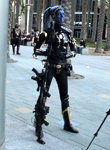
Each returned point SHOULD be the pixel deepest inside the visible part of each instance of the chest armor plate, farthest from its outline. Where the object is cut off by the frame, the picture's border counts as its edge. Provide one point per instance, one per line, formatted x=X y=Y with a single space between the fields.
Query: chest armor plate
x=60 y=40
x=59 y=48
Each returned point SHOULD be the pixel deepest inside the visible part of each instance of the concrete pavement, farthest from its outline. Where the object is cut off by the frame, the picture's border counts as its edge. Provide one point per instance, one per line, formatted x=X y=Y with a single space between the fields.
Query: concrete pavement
x=89 y=102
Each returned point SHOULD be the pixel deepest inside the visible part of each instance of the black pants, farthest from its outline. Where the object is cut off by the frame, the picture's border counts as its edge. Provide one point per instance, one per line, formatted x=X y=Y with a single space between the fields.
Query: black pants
x=62 y=82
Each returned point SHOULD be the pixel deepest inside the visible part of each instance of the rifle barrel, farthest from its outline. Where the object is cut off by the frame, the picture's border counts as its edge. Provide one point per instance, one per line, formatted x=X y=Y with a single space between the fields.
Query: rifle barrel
x=35 y=71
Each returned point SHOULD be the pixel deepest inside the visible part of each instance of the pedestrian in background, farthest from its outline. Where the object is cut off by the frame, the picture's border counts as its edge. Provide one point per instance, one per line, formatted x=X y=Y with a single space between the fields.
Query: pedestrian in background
x=82 y=45
x=22 y=38
x=35 y=39
x=33 y=32
x=16 y=38
x=28 y=38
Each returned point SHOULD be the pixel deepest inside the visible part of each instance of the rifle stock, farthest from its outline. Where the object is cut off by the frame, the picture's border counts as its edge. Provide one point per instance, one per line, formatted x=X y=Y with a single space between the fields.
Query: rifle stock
x=40 y=109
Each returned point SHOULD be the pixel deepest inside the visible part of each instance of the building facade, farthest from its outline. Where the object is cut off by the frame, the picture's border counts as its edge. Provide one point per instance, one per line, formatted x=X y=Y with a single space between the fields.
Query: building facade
x=78 y=17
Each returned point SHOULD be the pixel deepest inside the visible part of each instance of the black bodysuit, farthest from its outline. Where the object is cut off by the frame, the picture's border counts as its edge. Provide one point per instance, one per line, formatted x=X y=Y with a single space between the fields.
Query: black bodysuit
x=57 y=61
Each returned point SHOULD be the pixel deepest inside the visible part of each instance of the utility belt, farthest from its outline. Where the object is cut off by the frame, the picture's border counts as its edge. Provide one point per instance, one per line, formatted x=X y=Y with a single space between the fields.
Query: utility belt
x=57 y=66
x=60 y=66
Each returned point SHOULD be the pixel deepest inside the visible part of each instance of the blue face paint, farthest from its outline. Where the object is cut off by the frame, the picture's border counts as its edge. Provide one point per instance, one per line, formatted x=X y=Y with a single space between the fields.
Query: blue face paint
x=56 y=13
x=59 y=19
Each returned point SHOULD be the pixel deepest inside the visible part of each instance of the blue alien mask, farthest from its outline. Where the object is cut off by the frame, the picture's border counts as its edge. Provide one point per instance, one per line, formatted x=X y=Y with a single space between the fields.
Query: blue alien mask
x=59 y=19
x=56 y=13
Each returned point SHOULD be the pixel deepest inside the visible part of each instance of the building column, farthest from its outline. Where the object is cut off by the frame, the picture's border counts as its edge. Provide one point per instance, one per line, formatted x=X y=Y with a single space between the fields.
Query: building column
x=38 y=17
x=28 y=20
x=4 y=7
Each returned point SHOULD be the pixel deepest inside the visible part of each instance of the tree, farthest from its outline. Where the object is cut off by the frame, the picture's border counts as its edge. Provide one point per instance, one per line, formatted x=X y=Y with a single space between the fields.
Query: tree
x=26 y=17
x=100 y=26
x=67 y=6
x=13 y=20
x=53 y=3
x=73 y=9
x=94 y=28
x=108 y=32
x=84 y=9
x=9 y=30
x=17 y=10
x=88 y=20
x=31 y=15
x=39 y=12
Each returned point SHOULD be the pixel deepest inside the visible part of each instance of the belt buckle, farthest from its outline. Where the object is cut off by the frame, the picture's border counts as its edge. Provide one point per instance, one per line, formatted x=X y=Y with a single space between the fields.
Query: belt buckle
x=58 y=66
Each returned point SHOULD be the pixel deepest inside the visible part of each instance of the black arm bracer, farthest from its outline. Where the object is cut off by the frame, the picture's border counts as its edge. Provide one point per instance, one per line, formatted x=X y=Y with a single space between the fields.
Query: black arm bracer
x=42 y=38
x=40 y=53
x=72 y=43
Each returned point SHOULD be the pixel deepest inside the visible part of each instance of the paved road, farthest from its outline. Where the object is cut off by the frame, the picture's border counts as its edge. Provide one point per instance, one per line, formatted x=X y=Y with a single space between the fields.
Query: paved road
x=89 y=101
x=100 y=62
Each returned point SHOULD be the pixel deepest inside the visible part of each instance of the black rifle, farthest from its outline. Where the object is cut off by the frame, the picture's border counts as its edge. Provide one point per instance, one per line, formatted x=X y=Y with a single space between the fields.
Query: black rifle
x=40 y=109
x=107 y=113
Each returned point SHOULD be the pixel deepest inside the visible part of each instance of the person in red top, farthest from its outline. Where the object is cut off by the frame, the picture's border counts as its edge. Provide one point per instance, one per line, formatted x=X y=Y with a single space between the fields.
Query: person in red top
x=15 y=38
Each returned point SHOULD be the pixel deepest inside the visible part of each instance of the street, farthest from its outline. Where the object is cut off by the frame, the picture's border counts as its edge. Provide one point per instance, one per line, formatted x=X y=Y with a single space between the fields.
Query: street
x=89 y=99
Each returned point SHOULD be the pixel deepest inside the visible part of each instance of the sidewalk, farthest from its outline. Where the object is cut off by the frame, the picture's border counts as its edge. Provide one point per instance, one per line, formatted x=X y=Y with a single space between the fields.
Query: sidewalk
x=89 y=102
x=21 y=136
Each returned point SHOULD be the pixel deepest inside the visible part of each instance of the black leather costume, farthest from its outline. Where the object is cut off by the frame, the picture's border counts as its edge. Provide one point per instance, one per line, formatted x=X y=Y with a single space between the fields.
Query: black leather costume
x=58 y=66
x=58 y=57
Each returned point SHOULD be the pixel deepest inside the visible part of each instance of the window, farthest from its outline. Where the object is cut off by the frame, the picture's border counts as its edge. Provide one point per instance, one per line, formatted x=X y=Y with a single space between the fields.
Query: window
x=78 y=5
x=35 y=6
x=93 y=6
x=34 y=18
x=78 y=18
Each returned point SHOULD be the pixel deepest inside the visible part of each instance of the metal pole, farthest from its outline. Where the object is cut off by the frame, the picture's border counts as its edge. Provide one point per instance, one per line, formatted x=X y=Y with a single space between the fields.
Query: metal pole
x=4 y=7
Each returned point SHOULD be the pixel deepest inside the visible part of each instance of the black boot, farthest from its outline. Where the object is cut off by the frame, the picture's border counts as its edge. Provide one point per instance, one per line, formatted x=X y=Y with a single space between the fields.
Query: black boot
x=18 y=47
x=67 y=121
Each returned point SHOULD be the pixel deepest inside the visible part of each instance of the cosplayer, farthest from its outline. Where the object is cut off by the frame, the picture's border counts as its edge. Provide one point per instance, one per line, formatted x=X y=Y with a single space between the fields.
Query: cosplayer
x=58 y=66
x=15 y=38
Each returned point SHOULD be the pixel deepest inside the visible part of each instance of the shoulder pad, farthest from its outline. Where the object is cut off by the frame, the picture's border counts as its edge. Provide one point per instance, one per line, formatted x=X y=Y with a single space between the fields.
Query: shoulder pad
x=66 y=30
x=45 y=33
